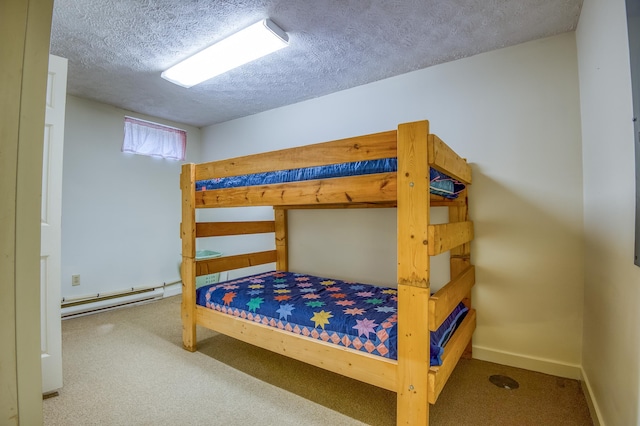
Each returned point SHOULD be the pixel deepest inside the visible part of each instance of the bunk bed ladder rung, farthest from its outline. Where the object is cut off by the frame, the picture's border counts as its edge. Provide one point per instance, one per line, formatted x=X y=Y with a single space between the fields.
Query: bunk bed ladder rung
x=220 y=229
x=448 y=297
x=446 y=236
x=228 y=263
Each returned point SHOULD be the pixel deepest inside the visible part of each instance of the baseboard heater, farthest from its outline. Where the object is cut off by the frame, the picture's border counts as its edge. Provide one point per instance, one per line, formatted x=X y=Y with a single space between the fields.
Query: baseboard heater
x=101 y=302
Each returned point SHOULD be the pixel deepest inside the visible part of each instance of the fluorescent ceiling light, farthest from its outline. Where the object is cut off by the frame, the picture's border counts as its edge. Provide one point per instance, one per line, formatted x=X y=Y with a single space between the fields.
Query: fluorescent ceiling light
x=253 y=42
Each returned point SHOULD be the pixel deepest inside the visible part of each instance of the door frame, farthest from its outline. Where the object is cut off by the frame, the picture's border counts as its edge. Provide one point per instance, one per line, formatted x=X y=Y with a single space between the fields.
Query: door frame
x=25 y=31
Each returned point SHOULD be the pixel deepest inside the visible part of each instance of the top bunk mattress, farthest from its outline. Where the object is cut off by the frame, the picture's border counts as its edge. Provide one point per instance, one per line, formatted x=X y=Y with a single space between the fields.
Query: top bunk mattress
x=350 y=314
x=441 y=184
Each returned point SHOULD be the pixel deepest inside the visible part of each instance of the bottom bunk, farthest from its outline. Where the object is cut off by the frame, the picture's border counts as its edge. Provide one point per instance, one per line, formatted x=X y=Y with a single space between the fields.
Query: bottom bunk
x=346 y=327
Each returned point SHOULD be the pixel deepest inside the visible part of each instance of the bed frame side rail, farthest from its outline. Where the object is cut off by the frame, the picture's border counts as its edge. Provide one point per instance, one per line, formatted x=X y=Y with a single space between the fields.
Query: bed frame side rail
x=372 y=369
x=373 y=188
x=359 y=148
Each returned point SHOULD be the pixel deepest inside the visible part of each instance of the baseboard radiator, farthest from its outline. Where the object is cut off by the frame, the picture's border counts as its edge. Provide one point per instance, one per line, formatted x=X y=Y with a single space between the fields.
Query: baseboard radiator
x=77 y=306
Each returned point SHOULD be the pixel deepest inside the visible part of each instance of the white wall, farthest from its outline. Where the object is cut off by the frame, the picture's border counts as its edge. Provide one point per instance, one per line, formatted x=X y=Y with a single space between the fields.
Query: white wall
x=611 y=343
x=120 y=212
x=514 y=113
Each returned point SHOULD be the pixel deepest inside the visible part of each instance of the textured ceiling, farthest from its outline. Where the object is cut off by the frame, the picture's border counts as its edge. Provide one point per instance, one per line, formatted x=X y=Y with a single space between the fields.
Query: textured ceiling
x=118 y=48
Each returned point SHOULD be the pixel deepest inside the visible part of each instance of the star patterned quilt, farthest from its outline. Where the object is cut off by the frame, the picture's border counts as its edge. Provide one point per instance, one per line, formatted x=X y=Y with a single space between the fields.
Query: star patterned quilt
x=349 y=314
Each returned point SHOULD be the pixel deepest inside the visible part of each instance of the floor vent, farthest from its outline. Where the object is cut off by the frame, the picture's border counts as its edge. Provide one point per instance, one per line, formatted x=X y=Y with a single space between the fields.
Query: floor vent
x=504 y=382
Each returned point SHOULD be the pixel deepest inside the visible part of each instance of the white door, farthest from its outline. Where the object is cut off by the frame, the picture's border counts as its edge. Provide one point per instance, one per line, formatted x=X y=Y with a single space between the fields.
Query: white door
x=51 y=225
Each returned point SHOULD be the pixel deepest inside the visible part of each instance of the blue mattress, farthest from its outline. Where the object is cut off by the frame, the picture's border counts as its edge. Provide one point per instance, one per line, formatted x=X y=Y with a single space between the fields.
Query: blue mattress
x=441 y=184
x=350 y=314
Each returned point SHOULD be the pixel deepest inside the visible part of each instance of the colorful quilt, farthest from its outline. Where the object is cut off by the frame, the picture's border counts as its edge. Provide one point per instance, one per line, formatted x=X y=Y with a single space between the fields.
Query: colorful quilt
x=353 y=315
x=441 y=184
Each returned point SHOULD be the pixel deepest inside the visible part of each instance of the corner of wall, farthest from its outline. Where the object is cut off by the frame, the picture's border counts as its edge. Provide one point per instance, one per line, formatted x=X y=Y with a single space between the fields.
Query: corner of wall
x=547 y=366
x=594 y=410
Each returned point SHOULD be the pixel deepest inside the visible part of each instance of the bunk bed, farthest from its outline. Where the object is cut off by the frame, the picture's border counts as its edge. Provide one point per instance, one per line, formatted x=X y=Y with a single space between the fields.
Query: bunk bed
x=409 y=185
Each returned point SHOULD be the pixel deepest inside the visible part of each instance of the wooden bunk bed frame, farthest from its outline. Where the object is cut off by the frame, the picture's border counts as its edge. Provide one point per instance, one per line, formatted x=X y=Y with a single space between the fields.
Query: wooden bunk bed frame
x=416 y=383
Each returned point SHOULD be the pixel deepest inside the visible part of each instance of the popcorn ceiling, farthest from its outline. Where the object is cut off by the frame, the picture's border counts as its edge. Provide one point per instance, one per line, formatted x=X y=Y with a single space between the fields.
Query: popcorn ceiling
x=118 y=48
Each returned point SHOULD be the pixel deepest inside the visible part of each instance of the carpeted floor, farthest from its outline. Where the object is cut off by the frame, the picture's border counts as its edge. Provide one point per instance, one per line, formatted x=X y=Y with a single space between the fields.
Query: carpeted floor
x=127 y=367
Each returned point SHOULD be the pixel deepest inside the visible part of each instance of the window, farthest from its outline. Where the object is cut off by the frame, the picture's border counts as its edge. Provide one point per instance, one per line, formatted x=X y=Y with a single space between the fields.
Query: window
x=152 y=139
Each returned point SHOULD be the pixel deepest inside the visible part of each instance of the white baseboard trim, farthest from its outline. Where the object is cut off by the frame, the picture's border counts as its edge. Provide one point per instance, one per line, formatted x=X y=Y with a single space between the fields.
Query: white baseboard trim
x=594 y=410
x=92 y=303
x=541 y=365
x=173 y=289
x=89 y=306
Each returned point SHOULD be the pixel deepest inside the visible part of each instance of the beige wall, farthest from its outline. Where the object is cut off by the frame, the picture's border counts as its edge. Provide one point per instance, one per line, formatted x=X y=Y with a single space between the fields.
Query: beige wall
x=24 y=47
x=611 y=343
x=514 y=113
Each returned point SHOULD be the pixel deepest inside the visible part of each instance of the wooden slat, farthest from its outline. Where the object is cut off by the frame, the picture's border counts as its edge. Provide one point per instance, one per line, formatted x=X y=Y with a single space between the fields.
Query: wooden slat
x=459 y=263
x=367 y=147
x=219 y=229
x=271 y=193
x=228 y=263
x=378 y=187
x=413 y=274
x=358 y=365
x=460 y=213
x=436 y=201
x=446 y=236
x=439 y=201
x=444 y=159
x=438 y=376
x=188 y=234
x=282 y=243
x=372 y=205
x=447 y=298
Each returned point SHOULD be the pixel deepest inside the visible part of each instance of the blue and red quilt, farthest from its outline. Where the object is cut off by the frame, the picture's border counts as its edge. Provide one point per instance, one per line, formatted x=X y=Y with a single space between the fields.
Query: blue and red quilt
x=350 y=314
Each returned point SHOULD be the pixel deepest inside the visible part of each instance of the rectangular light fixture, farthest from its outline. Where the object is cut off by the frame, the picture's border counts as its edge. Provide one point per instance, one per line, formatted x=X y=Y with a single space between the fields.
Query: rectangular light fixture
x=253 y=42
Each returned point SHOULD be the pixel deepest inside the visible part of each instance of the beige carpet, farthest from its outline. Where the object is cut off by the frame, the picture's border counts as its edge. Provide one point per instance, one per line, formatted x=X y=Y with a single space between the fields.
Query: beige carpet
x=127 y=367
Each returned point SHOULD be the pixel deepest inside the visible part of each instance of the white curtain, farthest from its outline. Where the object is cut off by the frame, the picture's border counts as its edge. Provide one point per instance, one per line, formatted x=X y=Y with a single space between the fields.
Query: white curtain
x=146 y=138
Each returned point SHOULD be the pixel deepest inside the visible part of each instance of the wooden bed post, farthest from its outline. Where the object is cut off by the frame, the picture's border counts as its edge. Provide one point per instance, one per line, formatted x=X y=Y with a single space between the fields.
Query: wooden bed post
x=282 y=243
x=188 y=267
x=461 y=256
x=413 y=274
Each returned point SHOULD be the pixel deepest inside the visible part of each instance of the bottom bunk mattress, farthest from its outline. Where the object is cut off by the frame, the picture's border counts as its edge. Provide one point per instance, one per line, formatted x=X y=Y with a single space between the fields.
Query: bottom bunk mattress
x=353 y=315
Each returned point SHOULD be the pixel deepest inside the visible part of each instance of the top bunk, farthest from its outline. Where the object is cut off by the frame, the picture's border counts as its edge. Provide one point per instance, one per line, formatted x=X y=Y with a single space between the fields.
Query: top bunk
x=360 y=171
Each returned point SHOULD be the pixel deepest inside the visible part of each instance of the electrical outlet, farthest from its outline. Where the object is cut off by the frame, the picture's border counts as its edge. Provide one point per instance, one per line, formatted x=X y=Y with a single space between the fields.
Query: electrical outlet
x=75 y=279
